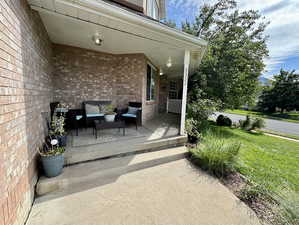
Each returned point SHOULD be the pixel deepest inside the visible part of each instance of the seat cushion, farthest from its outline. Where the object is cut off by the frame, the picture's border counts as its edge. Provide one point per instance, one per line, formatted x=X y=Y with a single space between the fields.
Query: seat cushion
x=79 y=117
x=94 y=115
x=129 y=115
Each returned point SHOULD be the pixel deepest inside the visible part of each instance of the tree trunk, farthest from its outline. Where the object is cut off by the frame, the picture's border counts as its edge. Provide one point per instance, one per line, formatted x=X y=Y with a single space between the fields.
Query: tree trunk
x=281 y=110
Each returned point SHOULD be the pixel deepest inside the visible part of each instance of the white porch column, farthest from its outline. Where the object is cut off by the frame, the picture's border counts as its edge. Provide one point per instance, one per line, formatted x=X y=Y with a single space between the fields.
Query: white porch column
x=185 y=87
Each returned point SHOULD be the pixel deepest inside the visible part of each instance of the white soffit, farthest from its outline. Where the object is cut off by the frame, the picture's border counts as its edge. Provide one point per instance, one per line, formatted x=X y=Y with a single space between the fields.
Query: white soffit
x=71 y=23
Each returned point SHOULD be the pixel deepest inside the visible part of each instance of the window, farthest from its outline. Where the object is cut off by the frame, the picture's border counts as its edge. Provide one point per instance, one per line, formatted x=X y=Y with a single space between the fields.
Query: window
x=152 y=9
x=173 y=94
x=151 y=83
x=172 y=85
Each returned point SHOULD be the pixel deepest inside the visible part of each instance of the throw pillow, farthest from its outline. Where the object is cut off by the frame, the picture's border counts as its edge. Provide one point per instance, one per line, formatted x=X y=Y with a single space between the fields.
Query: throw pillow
x=103 y=109
x=132 y=110
x=92 y=109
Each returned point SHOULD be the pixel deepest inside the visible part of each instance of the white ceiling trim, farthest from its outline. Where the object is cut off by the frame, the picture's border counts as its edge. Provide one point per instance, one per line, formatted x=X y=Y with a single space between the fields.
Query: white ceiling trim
x=168 y=41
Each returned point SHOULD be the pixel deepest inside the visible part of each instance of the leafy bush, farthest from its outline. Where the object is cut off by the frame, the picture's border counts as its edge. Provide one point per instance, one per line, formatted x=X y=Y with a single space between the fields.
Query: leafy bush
x=227 y=122
x=245 y=124
x=216 y=154
x=224 y=121
x=198 y=113
x=258 y=123
x=220 y=119
x=192 y=130
x=252 y=124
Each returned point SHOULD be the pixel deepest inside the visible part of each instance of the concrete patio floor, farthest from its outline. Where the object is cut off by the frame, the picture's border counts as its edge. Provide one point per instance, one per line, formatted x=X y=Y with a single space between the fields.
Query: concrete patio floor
x=162 y=129
x=173 y=193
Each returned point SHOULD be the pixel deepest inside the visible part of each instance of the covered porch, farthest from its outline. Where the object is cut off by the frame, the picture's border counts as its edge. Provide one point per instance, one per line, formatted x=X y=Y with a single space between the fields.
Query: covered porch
x=105 y=53
x=161 y=131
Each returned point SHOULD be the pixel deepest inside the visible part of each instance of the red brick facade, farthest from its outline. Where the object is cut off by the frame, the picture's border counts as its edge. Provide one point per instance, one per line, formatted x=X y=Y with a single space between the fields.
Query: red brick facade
x=32 y=74
x=25 y=92
x=81 y=75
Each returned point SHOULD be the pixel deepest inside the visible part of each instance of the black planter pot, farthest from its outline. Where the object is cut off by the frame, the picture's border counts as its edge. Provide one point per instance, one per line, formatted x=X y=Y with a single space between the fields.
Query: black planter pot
x=53 y=165
x=62 y=140
x=192 y=139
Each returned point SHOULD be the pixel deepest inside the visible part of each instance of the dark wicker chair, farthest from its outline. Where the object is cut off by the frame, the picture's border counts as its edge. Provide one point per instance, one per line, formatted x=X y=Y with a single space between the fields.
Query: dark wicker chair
x=92 y=117
x=53 y=106
x=74 y=119
x=136 y=118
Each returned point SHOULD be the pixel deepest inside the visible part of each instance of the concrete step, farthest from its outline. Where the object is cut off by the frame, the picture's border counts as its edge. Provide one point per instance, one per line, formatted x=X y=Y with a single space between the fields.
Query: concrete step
x=92 y=174
x=76 y=155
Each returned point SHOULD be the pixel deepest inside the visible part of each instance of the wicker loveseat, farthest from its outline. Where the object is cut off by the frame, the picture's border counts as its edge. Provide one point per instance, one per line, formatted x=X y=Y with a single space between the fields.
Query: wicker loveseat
x=90 y=117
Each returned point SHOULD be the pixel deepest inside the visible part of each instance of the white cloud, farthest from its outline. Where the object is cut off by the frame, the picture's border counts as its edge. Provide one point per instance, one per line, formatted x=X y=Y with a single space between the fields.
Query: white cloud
x=283 y=30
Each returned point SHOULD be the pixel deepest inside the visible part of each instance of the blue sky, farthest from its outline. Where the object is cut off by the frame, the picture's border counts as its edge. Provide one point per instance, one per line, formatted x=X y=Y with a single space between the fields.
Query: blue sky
x=283 y=30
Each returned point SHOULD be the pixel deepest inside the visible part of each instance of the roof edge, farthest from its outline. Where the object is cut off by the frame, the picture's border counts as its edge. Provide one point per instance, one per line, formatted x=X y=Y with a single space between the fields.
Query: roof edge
x=137 y=19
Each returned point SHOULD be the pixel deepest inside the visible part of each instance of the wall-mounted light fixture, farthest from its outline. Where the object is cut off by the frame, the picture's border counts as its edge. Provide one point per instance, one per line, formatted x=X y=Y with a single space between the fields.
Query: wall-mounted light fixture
x=98 y=40
x=169 y=63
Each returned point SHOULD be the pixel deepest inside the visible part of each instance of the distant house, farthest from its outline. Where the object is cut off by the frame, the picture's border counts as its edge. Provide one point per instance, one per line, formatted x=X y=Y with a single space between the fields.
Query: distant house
x=73 y=51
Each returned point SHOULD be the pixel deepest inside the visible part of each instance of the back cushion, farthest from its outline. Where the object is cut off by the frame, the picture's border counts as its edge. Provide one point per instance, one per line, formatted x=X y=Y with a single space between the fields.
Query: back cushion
x=132 y=110
x=92 y=109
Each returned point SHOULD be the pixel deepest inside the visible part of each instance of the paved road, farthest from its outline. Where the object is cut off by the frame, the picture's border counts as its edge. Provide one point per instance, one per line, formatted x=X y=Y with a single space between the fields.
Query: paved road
x=274 y=125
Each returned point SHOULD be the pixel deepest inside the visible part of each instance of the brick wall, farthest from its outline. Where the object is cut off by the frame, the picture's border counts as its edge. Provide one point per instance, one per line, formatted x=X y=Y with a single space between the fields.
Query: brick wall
x=81 y=75
x=25 y=92
x=150 y=108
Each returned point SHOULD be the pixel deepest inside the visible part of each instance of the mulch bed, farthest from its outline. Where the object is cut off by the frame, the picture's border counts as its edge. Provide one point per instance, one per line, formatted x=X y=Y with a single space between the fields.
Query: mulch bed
x=262 y=207
x=235 y=182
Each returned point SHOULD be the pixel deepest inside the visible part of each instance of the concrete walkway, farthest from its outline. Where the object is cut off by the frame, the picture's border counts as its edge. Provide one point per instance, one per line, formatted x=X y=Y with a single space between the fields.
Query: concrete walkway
x=173 y=193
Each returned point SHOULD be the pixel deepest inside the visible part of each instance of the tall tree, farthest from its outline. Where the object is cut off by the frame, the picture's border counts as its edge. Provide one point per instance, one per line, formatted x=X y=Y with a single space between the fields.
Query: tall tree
x=170 y=23
x=234 y=59
x=284 y=93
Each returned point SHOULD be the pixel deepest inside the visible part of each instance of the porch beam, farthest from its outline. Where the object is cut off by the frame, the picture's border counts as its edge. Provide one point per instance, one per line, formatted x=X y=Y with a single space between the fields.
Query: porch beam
x=185 y=88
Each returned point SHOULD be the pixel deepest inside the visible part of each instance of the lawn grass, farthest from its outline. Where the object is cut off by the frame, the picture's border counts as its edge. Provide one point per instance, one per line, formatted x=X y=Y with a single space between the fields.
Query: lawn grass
x=264 y=157
x=280 y=134
x=288 y=117
x=271 y=163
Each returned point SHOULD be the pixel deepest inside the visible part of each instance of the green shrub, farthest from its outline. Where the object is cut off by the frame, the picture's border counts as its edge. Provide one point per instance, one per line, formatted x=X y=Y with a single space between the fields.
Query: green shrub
x=193 y=130
x=198 y=113
x=258 y=123
x=216 y=155
x=245 y=124
x=252 y=123
x=224 y=121
x=220 y=119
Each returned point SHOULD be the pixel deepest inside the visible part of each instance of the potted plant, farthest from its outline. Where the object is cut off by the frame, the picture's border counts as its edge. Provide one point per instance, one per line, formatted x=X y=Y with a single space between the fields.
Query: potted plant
x=57 y=129
x=52 y=157
x=109 y=113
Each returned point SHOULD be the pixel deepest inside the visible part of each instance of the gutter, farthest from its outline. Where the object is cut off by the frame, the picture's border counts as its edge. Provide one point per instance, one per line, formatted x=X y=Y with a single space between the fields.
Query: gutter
x=124 y=15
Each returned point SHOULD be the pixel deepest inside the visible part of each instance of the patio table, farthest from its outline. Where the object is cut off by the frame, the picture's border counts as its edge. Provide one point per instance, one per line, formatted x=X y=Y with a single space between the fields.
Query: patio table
x=101 y=125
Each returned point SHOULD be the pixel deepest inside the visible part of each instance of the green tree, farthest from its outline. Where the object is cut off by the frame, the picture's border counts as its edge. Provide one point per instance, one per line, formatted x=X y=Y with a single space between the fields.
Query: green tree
x=170 y=23
x=234 y=59
x=283 y=94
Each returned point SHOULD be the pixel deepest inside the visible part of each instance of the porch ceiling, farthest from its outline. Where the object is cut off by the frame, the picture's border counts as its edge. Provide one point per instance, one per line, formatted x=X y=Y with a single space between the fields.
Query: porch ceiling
x=75 y=22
